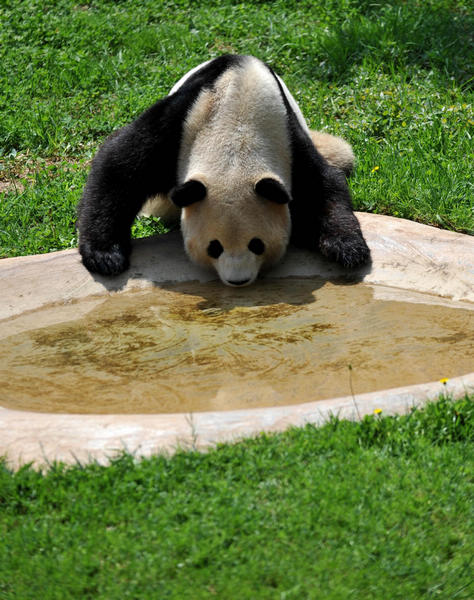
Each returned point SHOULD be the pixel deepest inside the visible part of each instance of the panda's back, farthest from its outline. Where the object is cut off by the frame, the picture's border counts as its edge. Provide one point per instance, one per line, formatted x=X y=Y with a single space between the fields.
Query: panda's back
x=238 y=127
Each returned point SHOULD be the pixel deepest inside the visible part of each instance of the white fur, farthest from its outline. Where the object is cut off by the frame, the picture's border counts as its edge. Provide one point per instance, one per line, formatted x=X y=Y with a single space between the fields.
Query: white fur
x=234 y=268
x=334 y=149
x=235 y=135
x=238 y=129
x=161 y=206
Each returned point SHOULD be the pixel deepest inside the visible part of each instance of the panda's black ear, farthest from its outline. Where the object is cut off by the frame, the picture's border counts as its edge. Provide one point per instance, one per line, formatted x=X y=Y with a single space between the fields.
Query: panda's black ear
x=273 y=190
x=188 y=193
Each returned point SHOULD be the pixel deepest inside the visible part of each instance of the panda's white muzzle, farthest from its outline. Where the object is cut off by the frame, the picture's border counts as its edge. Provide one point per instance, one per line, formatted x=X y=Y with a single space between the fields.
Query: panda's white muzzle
x=238 y=270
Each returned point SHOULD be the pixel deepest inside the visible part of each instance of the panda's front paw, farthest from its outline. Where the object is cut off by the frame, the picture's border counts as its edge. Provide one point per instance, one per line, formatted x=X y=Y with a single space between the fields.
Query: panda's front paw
x=112 y=261
x=349 y=250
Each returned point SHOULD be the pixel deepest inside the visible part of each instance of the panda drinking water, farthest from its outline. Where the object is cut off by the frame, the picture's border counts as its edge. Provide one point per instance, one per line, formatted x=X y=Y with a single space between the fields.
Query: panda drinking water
x=228 y=151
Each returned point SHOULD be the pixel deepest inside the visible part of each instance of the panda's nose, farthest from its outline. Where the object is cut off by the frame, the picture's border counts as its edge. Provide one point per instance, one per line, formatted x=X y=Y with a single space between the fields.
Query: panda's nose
x=237 y=282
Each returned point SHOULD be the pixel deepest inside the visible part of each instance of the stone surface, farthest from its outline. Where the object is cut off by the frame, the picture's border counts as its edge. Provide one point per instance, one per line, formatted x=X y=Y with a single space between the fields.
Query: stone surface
x=406 y=256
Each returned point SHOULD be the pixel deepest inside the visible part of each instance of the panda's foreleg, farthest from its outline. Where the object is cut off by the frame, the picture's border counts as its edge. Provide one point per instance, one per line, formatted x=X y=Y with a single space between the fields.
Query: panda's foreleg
x=340 y=236
x=111 y=199
x=323 y=219
x=136 y=162
x=104 y=232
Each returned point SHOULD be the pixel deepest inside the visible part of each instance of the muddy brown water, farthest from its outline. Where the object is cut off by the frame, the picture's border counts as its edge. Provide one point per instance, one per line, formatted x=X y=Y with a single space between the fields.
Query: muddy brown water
x=198 y=347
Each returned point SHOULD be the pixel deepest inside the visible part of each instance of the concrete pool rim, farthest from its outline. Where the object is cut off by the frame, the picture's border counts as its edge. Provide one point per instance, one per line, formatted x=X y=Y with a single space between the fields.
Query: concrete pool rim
x=406 y=256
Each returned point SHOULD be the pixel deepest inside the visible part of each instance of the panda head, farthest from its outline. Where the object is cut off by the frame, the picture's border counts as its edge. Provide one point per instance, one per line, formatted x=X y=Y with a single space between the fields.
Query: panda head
x=238 y=227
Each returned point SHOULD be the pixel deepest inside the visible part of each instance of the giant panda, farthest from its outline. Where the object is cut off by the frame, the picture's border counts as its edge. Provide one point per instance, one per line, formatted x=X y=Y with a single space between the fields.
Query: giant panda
x=230 y=149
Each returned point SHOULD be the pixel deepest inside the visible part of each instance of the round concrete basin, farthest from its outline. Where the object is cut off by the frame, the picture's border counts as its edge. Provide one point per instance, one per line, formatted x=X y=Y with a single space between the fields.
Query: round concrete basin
x=165 y=356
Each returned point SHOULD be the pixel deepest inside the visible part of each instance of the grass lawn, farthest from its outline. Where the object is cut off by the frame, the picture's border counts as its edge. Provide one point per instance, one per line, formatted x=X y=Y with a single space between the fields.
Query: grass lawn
x=379 y=509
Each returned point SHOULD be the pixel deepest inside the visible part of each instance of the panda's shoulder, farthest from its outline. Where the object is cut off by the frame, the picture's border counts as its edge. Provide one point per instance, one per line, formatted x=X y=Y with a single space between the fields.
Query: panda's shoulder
x=167 y=114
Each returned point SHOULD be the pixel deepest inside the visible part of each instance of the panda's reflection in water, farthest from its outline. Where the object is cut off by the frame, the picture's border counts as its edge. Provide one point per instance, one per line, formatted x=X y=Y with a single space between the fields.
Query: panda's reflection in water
x=203 y=346
x=266 y=292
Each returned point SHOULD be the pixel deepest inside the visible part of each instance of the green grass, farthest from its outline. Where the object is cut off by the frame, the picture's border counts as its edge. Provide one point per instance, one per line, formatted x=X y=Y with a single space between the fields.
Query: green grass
x=377 y=509
x=394 y=78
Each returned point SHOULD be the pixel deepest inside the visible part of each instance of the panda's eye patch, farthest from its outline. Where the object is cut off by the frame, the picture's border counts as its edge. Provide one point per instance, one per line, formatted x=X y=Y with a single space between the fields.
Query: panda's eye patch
x=188 y=193
x=272 y=190
x=256 y=246
x=215 y=249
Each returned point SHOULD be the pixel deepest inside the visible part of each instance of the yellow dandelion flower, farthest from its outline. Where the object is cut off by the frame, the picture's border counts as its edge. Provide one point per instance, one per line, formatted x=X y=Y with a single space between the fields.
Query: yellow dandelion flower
x=377 y=411
x=444 y=381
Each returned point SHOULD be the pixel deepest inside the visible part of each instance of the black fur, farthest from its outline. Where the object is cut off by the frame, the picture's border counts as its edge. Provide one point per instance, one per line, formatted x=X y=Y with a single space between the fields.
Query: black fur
x=215 y=249
x=321 y=208
x=188 y=193
x=134 y=163
x=256 y=246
